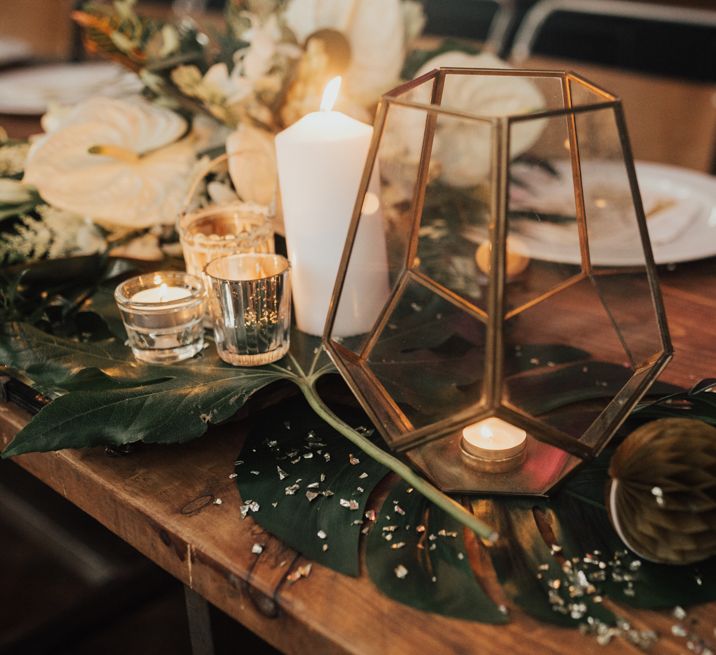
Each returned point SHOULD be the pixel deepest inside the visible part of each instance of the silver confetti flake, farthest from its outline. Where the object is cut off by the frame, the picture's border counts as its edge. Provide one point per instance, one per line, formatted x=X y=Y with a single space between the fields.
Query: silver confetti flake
x=400 y=571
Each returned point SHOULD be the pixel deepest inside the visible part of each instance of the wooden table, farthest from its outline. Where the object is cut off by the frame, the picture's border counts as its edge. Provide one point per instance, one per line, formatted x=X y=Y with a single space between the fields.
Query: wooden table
x=160 y=501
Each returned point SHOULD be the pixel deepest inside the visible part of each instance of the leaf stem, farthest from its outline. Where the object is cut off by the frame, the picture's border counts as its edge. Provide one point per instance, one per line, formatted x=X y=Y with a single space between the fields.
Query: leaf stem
x=443 y=501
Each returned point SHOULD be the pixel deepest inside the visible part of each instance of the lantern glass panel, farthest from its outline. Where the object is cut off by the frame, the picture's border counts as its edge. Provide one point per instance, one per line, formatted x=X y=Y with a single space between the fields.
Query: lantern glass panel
x=428 y=355
x=456 y=206
x=541 y=210
x=617 y=251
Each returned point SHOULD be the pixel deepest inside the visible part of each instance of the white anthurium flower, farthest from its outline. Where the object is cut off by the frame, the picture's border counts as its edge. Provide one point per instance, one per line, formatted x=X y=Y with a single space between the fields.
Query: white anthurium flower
x=14 y=192
x=462 y=147
x=375 y=30
x=114 y=161
x=252 y=164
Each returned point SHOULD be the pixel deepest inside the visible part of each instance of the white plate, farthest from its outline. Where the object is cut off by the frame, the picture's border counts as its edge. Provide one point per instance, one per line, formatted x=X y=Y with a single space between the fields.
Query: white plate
x=13 y=50
x=685 y=232
x=29 y=91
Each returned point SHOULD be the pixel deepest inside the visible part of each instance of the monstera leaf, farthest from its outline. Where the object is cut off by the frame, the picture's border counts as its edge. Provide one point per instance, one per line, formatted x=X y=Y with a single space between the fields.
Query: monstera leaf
x=109 y=398
x=301 y=480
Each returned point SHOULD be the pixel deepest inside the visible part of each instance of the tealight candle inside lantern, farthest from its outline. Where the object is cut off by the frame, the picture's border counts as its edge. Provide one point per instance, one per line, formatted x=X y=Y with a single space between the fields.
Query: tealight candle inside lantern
x=494 y=445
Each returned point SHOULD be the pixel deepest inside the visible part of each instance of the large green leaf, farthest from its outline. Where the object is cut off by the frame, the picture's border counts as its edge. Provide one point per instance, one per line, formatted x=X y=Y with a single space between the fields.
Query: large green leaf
x=109 y=398
x=526 y=564
x=417 y=555
x=302 y=473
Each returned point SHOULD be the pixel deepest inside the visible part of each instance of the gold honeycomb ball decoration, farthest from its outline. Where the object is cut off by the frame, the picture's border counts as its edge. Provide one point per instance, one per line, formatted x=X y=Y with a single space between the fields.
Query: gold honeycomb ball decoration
x=662 y=496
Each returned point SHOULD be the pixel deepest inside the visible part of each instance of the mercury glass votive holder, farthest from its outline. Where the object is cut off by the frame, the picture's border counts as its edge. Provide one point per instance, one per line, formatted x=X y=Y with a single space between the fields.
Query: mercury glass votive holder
x=163 y=315
x=221 y=230
x=250 y=306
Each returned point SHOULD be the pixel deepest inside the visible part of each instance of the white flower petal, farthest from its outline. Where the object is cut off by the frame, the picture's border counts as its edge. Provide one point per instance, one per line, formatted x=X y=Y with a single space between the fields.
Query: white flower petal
x=252 y=164
x=134 y=194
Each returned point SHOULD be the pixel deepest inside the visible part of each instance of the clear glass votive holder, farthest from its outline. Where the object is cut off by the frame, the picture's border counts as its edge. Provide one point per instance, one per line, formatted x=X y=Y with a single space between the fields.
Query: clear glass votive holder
x=163 y=314
x=250 y=306
x=221 y=230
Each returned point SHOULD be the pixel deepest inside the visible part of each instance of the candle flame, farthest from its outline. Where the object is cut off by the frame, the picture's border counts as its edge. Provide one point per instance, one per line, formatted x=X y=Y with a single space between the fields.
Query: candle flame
x=330 y=93
x=163 y=291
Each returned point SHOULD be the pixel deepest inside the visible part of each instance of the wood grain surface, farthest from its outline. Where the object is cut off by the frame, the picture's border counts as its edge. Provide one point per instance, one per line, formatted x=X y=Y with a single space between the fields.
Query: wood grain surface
x=161 y=501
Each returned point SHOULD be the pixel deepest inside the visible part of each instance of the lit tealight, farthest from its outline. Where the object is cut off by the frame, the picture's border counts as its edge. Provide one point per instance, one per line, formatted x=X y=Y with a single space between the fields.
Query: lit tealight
x=494 y=445
x=515 y=261
x=371 y=204
x=161 y=293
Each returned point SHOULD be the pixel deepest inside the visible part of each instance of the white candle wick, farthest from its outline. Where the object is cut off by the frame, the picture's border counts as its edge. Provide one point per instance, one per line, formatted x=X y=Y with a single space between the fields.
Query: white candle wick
x=330 y=93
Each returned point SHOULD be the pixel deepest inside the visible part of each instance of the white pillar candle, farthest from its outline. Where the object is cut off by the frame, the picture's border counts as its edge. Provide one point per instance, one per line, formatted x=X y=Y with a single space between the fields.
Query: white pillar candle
x=493 y=438
x=161 y=293
x=320 y=163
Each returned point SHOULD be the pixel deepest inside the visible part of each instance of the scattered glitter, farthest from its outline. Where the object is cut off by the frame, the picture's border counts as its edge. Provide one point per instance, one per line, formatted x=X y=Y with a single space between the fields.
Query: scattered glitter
x=312 y=495
x=282 y=475
x=420 y=529
x=327 y=457
x=399 y=510
x=324 y=548
x=274 y=505
x=254 y=472
x=287 y=425
x=460 y=556
x=257 y=549
x=313 y=485
x=292 y=489
x=353 y=460
x=350 y=504
x=321 y=534
x=360 y=490
x=299 y=572
x=218 y=501
x=447 y=533
x=400 y=571
x=307 y=455
x=363 y=476
x=658 y=494
x=233 y=475
x=323 y=477
x=409 y=490
x=238 y=462
x=370 y=514
x=399 y=544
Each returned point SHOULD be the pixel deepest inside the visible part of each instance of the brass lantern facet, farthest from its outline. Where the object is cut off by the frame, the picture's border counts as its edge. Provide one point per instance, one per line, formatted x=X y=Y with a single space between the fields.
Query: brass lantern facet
x=522 y=283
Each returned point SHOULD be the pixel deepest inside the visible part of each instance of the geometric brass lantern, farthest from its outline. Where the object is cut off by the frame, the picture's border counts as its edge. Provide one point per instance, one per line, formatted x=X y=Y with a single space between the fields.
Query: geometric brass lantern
x=517 y=274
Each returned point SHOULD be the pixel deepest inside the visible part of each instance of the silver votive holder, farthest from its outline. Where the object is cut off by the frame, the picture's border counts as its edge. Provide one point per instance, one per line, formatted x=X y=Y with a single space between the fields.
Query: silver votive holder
x=163 y=315
x=250 y=306
x=221 y=230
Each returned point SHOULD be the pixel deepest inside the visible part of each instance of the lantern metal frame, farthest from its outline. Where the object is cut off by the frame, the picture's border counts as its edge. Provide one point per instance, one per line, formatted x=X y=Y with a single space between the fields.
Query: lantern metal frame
x=391 y=421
